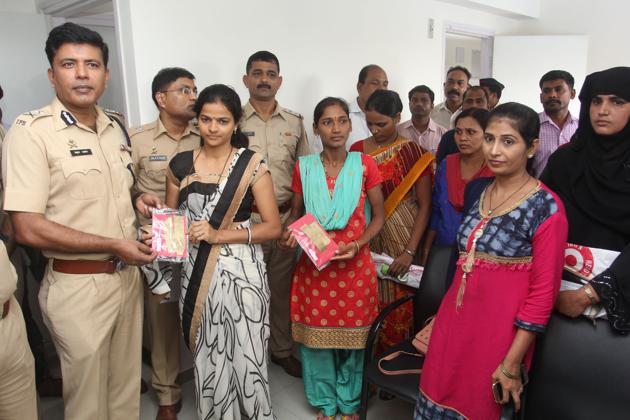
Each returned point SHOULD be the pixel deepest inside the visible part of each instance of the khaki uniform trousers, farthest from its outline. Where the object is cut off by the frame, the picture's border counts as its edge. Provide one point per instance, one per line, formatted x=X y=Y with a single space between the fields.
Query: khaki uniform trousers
x=95 y=321
x=18 y=398
x=280 y=266
x=164 y=331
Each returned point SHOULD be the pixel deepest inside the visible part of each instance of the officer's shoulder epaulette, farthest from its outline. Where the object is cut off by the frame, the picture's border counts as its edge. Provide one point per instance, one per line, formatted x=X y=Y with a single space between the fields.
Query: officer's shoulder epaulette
x=25 y=119
x=142 y=128
x=295 y=114
x=115 y=114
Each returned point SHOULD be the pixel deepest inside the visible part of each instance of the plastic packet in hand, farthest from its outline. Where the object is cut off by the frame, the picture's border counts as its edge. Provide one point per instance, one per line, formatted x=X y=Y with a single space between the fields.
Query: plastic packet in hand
x=411 y=278
x=170 y=235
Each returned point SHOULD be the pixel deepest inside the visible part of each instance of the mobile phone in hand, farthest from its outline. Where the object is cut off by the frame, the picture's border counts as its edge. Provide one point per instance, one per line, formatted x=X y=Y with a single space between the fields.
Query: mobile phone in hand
x=497 y=391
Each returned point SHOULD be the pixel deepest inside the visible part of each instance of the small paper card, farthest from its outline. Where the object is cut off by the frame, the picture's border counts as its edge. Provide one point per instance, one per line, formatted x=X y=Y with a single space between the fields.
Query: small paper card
x=585 y=263
x=170 y=235
x=314 y=240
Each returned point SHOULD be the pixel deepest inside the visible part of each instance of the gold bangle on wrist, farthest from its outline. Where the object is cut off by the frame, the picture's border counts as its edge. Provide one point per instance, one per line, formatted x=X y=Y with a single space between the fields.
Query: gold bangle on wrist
x=507 y=373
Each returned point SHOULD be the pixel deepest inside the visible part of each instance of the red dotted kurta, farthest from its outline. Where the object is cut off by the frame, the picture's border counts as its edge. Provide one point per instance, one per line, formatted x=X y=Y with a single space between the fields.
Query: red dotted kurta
x=335 y=307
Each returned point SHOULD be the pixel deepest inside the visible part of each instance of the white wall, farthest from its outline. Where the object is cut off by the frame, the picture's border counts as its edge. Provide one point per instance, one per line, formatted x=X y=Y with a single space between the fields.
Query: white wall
x=113 y=97
x=18 y=6
x=321 y=45
x=23 y=70
x=605 y=22
x=520 y=61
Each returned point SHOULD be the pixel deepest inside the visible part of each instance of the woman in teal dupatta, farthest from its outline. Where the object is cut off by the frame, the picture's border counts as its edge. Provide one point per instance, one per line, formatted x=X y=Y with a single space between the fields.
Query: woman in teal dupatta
x=332 y=309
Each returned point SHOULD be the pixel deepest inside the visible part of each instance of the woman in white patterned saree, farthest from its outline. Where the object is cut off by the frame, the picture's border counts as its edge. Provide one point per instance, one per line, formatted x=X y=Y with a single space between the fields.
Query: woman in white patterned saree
x=225 y=296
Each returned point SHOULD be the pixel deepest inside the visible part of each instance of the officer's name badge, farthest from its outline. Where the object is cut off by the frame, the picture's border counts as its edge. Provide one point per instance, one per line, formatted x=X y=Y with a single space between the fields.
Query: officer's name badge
x=249 y=133
x=81 y=152
x=157 y=158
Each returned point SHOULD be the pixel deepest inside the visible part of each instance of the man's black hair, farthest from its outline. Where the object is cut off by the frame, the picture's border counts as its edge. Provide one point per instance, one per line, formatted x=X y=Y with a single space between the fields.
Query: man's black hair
x=71 y=33
x=460 y=68
x=422 y=89
x=165 y=77
x=557 y=75
x=265 y=56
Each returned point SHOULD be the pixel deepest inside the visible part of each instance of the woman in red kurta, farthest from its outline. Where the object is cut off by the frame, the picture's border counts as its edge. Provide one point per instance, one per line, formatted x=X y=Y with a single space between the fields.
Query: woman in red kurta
x=332 y=309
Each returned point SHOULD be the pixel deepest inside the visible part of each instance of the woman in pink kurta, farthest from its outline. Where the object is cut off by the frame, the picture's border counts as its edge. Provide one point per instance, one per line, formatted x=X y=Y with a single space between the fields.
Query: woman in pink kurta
x=506 y=281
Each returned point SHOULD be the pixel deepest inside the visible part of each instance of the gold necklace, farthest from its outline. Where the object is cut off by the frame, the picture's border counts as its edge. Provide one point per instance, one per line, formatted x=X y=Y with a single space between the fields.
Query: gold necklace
x=492 y=209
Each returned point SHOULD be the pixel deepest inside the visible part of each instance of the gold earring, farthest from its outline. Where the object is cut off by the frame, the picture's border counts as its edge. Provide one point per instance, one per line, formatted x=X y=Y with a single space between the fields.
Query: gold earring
x=530 y=156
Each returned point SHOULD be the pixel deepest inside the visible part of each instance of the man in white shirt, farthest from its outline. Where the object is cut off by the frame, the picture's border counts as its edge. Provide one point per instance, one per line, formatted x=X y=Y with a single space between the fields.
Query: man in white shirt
x=456 y=83
x=371 y=78
x=421 y=128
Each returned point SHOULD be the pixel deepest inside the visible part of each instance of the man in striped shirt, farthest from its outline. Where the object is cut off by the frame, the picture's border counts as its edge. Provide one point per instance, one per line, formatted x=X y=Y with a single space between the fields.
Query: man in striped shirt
x=557 y=125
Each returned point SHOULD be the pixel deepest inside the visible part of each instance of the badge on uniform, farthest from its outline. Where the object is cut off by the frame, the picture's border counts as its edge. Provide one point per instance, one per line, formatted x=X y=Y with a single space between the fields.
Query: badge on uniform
x=68 y=118
x=81 y=152
x=249 y=133
x=72 y=144
x=154 y=158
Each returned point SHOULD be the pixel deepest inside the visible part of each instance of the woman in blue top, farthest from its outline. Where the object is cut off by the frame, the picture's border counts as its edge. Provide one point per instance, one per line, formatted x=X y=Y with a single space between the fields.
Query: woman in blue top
x=454 y=173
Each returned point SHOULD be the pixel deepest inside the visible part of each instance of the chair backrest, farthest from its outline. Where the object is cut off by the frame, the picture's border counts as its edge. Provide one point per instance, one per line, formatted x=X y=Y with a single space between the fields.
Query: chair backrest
x=580 y=371
x=433 y=285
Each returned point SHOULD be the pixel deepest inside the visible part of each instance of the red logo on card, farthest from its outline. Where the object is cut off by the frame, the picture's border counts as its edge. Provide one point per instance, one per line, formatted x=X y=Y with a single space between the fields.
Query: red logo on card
x=579 y=259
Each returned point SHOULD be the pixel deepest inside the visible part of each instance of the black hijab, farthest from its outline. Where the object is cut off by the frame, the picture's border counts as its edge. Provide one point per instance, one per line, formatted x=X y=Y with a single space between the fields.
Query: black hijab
x=597 y=179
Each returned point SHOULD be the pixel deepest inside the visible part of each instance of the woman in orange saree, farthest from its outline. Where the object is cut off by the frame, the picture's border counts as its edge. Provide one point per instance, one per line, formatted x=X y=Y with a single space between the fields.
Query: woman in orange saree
x=406 y=170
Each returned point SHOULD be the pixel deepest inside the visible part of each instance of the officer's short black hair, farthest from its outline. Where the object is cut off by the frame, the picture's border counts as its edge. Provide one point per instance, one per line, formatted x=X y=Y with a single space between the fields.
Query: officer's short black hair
x=365 y=70
x=557 y=75
x=265 y=56
x=71 y=33
x=422 y=89
x=460 y=68
x=165 y=77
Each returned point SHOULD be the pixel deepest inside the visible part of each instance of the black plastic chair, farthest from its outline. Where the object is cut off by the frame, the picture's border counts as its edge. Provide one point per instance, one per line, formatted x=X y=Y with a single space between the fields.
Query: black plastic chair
x=426 y=303
x=580 y=371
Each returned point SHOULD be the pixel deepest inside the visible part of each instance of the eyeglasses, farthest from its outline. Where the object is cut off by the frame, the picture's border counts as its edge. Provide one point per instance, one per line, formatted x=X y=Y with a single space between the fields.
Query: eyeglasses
x=184 y=91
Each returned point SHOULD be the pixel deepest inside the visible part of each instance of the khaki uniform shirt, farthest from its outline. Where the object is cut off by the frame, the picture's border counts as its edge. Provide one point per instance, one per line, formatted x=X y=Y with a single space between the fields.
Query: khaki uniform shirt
x=281 y=140
x=56 y=166
x=3 y=133
x=8 y=276
x=152 y=149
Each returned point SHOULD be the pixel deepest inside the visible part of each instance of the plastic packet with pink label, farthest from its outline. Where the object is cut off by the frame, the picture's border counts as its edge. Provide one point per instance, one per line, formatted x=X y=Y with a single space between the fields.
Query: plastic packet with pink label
x=170 y=235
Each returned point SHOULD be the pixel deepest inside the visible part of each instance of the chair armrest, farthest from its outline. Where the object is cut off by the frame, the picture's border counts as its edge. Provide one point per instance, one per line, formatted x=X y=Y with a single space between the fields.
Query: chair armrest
x=376 y=326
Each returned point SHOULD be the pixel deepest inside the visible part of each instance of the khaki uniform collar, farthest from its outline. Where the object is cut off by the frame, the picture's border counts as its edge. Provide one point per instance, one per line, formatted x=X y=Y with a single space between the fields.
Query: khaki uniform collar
x=249 y=110
x=64 y=118
x=160 y=129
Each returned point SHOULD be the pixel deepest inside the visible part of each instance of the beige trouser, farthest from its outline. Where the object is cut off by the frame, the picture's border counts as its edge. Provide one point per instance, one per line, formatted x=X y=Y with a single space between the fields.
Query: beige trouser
x=280 y=265
x=164 y=331
x=95 y=321
x=18 y=399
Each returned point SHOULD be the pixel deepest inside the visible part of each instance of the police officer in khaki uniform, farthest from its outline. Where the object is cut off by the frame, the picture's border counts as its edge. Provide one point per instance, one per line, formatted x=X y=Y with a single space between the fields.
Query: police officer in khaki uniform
x=17 y=368
x=68 y=177
x=153 y=145
x=278 y=134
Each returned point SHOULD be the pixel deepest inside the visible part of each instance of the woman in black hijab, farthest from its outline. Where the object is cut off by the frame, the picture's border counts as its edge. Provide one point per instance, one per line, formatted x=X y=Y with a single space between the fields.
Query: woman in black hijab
x=592 y=176
x=581 y=370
